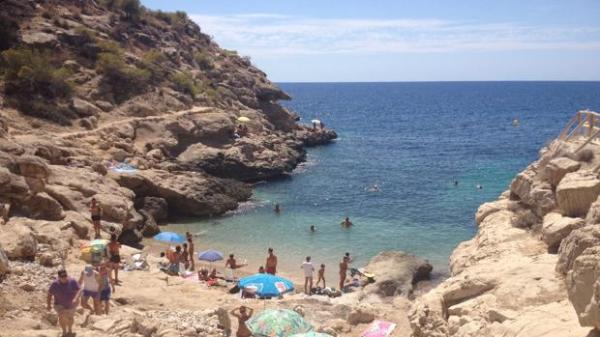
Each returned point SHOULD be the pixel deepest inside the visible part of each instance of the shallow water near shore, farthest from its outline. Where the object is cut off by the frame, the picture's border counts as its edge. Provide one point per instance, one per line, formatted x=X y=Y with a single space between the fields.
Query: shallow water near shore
x=412 y=141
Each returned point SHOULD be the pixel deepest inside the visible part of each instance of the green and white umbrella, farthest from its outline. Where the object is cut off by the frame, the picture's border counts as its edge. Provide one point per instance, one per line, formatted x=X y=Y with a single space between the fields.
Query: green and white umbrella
x=277 y=323
x=311 y=334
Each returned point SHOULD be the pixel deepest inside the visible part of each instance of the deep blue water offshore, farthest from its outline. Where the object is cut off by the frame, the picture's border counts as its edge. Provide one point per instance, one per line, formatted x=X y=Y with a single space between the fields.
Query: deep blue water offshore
x=412 y=140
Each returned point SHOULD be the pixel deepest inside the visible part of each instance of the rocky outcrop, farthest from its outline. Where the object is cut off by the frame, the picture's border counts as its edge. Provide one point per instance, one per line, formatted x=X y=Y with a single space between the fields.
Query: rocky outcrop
x=556 y=227
x=4 y=263
x=574 y=244
x=397 y=272
x=504 y=282
x=18 y=241
x=583 y=286
x=576 y=192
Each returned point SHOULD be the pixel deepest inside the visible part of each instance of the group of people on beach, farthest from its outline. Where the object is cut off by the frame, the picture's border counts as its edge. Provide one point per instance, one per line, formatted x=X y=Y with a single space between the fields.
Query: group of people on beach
x=96 y=283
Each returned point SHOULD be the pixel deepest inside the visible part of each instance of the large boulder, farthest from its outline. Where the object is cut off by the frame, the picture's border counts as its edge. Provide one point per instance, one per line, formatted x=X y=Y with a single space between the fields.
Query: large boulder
x=557 y=168
x=593 y=215
x=556 y=227
x=33 y=167
x=576 y=192
x=187 y=193
x=150 y=227
x=522 y=184
x=583 y=287
x=114 y=207
x=12 y=186
x=18 y=240
x=158 y=208
x=43 y=206
x=396 y=272
x=574 y=244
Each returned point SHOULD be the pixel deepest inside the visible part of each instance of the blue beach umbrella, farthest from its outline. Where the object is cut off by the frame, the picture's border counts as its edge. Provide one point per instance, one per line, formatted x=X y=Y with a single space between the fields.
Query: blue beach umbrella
x=170 y=237
x=267 y=285
x=210 y=255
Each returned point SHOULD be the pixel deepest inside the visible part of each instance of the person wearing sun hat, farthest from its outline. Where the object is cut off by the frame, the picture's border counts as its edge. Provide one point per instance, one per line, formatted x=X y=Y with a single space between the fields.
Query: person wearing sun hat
x=90 y=279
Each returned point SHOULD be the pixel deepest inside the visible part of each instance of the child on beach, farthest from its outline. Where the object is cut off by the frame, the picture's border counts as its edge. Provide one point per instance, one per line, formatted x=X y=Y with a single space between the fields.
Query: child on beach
x=321 y=276
x=107 y=287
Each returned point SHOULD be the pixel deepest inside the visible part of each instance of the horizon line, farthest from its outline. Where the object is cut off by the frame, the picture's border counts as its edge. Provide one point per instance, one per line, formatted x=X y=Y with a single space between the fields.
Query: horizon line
x=430 y=81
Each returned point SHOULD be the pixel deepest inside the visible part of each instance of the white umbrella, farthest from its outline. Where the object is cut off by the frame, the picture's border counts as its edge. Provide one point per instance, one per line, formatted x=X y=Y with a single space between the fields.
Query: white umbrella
x=316 y=121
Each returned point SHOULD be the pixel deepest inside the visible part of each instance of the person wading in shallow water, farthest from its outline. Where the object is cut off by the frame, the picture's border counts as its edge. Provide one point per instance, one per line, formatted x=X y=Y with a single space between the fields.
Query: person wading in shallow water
x=271 y=265
x=96 y=213
x=347 y=223
x=242 y=314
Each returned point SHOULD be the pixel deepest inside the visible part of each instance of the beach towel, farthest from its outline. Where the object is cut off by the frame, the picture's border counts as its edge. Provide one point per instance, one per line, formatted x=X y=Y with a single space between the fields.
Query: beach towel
x=379 y=329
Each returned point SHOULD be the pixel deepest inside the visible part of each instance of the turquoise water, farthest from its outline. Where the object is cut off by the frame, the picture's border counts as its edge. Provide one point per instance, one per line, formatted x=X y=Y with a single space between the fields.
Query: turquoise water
x=412 y=140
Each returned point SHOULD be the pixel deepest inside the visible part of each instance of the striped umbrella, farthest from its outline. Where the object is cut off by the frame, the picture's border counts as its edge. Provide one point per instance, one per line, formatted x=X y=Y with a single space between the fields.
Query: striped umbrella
x=277 y=323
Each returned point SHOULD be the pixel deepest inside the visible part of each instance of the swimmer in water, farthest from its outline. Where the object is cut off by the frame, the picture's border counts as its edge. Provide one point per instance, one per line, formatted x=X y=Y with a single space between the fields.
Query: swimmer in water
x=347 y=223
x=277 y=209
x=456 y=183
x=479 y=187
x=312 y=228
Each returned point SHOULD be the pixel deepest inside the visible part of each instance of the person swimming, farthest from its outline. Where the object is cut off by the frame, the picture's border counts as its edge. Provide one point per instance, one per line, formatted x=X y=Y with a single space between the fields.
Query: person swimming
x=456 y=183
x=479 y=187
x=313 y=228
x=347 y=223
x=277 y=209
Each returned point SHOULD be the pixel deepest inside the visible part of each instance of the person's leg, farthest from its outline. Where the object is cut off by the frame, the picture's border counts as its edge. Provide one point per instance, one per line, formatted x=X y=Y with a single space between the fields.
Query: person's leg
x=84 y=302
x=97 y=308
x=116 y=268
x=324 y=284
x=310 y=285
x=70 y=320
x=63 y=321
x=305 y=284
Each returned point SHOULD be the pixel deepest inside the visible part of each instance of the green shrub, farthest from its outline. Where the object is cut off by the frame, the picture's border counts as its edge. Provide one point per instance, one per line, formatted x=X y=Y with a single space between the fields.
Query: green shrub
x=119 y=79
x=132 y=8
x=185 y=83
x=155 y=62
x=36 y=84
x=203 y=60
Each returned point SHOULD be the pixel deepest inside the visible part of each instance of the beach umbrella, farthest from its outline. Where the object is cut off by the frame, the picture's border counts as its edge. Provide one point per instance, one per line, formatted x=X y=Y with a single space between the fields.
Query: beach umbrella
x=267 y=285
x=170 y=237
x=311 y=334
x=277 y=323
x=243 y=119
x=316 y=121
x=210 y=255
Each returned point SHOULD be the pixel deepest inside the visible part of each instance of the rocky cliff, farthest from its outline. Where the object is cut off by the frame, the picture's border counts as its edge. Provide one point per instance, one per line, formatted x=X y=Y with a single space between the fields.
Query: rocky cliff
x=531 y=270
x=87 y=83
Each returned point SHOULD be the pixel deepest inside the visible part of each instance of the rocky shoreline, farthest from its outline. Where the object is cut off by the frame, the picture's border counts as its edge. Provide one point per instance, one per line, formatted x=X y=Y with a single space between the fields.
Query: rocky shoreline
x=530 y=269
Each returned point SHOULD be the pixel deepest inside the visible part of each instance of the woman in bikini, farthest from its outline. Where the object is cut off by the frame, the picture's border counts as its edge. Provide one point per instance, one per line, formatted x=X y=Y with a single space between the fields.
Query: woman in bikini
x=96 y=213
x=242 y=315
x=114 y=256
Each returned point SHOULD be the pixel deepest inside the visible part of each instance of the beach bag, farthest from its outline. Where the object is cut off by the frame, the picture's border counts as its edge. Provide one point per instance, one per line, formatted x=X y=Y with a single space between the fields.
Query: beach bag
x=235 y=289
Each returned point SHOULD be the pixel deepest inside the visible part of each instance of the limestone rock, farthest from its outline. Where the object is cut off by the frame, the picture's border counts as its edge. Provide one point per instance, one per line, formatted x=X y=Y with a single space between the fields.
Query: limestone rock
x=557 y=168
x=574 y=244
x=4 y=263
x=115 y=208
x=583 y=287
x=490 y=207
x=12 y=186
x=18 y=241
x=43 y=206
x=522 y=184
x=360 y=316
x=156 y=207
x=556 y=227
x=396 y=273
x=80 y=224
x=33 y=167
x=576 y=192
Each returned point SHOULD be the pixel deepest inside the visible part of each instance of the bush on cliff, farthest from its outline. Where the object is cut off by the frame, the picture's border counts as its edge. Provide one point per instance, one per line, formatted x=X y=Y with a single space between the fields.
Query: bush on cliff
x=156 y=63
x=185 y=83
x=36 y=84
x=203 y=60
x=132 y=8
x=120 y=80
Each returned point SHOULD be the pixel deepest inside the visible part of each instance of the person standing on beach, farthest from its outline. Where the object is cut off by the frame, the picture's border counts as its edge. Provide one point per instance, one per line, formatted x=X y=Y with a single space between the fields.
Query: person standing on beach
x=190 y=250
x=242 y=314
x=107 y=287
x=90 y=280
x=114 y=255
x=321 y=276
x=65 y=291
x=271 y=265
x=309 y=269
x=185 y=254
x=343 y=272
x=96 y=213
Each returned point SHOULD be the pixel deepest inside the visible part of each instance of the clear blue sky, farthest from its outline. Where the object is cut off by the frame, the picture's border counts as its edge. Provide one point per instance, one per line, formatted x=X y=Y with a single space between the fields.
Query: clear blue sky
x=419 y=40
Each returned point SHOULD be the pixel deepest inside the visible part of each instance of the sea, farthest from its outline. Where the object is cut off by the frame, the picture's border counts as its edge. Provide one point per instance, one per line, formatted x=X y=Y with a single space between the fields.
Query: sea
x=412 y=163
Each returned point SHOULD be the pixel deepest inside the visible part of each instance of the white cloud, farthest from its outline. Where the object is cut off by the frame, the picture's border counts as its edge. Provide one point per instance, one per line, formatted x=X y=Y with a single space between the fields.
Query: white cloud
x=273 y=35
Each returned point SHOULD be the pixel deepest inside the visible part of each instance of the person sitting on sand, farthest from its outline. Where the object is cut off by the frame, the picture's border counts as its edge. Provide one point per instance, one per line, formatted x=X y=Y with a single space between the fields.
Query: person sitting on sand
x=203 y=274
x=96 y=213
x=115 y=258
x=347 y=223
x=242 y=314
x=271 y=265
x=213 y=274
x=321 y=276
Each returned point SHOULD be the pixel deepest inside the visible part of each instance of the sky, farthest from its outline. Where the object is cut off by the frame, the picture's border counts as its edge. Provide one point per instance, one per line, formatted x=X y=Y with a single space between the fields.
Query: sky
x=419 y=40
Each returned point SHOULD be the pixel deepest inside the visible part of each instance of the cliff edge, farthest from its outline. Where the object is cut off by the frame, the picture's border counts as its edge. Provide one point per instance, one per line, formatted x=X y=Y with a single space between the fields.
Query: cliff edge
x=531 y=268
